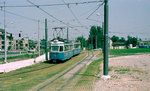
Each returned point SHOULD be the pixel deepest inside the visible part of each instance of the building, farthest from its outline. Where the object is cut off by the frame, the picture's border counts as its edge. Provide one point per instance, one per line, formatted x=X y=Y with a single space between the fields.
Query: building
x=110 y=44
x=119 y=45
x=9 y=40
x=22 y=44
x=16 y=44
x=144 y=44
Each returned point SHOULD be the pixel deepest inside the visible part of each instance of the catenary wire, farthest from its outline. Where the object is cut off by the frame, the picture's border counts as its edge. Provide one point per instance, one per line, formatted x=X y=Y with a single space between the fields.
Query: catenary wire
x=74 y=3
x=50 y=14
x=72 y=13
x=95 y=10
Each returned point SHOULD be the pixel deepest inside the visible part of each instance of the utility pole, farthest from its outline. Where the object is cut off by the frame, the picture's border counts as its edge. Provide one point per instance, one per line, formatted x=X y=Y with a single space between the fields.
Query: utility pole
x=39 y=37
x=96 y=40
x=67 y=35
x=5 y=34
x=82 y=42
x=105 y=69
x=46 y=41
x=103 y=37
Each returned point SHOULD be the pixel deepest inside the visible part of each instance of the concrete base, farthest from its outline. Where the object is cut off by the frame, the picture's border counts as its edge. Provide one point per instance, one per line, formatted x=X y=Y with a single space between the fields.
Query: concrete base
x=105 y=77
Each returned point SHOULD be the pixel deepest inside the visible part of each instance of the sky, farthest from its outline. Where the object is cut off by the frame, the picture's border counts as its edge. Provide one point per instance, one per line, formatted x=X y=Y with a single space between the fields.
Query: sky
x=126 y=17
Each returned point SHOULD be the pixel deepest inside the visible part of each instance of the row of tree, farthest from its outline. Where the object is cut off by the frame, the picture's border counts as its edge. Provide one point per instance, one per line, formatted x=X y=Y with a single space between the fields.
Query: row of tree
x=95 y=39
x=130 y=40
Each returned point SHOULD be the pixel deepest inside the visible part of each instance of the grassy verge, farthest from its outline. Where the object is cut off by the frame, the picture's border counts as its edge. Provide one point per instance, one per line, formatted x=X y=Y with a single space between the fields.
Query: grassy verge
x=23 y=82
x=124 y=52
x=19 y=57
x=89 y=76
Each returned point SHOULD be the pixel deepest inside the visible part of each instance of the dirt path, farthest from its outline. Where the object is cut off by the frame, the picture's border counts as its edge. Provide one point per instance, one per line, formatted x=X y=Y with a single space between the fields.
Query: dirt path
x=128 y=73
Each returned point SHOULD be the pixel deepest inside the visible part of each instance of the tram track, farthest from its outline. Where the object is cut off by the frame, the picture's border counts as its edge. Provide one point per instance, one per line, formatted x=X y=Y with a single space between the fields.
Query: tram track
x=83 y=62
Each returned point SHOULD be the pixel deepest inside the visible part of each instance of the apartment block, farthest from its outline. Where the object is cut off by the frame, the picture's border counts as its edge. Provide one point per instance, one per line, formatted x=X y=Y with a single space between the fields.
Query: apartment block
x=9 y=40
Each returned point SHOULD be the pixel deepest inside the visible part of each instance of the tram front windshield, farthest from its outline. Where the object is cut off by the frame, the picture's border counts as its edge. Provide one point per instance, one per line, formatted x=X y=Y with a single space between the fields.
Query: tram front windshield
x=55 y=48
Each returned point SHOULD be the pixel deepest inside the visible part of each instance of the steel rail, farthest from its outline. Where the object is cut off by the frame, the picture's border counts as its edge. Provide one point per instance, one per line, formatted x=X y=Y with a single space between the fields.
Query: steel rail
x=50 y=82
x=74 y=74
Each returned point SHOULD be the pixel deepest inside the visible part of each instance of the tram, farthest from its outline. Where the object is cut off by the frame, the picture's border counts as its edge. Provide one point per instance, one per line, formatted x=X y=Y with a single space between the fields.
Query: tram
x=64 y=50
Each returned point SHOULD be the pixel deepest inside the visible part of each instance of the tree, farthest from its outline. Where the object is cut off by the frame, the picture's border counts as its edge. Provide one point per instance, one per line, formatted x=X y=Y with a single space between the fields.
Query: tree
x=32 y=44
x=134 y=41
x=82 y=40
x=122 y=40
x=99 y=37
x=115 y=38
x=95 y=37
x=131 y=40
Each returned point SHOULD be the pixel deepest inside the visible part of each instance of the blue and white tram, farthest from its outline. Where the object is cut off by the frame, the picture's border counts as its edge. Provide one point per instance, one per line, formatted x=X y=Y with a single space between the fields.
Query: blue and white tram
x=76 y=48
x=63 y=51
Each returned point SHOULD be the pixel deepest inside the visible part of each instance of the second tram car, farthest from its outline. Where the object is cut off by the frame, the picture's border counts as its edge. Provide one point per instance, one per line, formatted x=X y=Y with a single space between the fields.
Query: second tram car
x=64 y=50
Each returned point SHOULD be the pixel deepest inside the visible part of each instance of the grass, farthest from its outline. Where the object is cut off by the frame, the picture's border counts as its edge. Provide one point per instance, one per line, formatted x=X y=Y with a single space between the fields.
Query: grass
x=124 y=52
x=89 y=76
x=19 y=57
x=129 y=70
x=139 y=71
x=23 y=82
x=122 y=70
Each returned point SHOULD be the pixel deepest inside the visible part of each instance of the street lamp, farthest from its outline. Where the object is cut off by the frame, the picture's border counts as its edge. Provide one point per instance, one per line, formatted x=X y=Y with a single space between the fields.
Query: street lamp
x=5 y=34
x=6 y=41
x=38 y=37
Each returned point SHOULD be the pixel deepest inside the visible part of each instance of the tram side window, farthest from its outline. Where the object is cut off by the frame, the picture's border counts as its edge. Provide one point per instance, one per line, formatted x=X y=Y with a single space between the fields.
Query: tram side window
x=76 y=46
x=66 y=47
x=61 y=48
x=55 y=48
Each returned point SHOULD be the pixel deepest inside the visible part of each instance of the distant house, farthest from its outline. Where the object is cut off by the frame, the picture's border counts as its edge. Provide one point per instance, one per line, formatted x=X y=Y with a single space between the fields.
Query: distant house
x=16 y=44
x=9 y=40
x=21 y=44
x=110 y=44
x=144 y=44
x=119 y=45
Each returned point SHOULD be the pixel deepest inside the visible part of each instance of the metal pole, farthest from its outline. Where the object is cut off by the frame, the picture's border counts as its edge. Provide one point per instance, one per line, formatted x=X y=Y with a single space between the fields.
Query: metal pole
x=67 y=35
x=103 y=37
x=5 y=34
x=96 y=40
x=82 y=42
x=106 y=37
x=39 y=37
x=46 y=41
